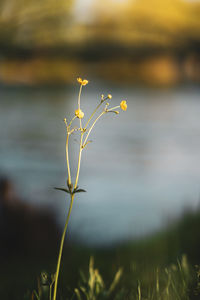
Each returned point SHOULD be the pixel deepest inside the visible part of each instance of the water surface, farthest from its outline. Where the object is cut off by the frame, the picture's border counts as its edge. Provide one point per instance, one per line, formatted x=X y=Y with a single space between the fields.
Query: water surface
x=142 y=168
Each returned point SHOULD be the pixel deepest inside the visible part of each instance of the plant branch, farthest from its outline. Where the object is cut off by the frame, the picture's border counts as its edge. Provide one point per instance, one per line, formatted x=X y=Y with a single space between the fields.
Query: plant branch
x=61 y=247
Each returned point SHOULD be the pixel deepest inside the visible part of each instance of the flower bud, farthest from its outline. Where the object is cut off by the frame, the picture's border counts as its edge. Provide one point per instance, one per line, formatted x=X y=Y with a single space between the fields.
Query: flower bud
x=79 y=113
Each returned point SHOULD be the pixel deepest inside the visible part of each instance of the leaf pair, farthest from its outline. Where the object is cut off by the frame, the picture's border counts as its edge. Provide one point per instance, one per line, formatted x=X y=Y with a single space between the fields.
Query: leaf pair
x=76 y=190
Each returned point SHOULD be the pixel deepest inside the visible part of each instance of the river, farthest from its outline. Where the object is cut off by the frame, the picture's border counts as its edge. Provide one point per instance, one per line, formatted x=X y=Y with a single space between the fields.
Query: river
x=141 y=170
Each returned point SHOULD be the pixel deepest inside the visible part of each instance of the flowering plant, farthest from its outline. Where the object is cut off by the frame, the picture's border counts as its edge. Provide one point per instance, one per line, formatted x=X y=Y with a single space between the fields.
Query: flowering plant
x=84 y=131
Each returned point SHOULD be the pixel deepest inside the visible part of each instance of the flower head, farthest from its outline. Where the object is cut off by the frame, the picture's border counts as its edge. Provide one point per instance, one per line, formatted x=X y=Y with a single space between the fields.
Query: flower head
x=82 y=81
x=123 y=105
x=79 y=113
x=109 y=96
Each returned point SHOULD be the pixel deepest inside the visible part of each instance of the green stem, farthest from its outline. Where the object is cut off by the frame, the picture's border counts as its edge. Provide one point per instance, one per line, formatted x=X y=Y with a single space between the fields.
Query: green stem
x=61 y=248
x=72 y=121
x=79 y=160
x=93 y=114
x=50 y=292
x=79 y=103
x=79 y=97
x=110 y=109
x=72 y=199
x=67 y=158
x=88 y=133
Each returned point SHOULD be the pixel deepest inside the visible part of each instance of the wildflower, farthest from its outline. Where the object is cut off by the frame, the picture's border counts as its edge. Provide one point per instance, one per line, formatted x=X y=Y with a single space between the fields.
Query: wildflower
x=82 y=81
x=65 y=120
x=85 y=81
x=79 y=113
x=109 y=96
x=123 y=105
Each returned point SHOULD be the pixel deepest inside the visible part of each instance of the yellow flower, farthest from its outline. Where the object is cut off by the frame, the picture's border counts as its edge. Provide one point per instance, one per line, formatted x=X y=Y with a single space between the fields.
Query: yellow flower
x=79 y=80
x=79 y=113
x=109 y=96
x=123 y=105
x=82 y=81
x=85 y=81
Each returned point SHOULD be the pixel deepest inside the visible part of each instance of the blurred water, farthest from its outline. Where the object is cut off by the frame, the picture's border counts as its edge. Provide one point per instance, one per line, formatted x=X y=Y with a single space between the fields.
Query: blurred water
x=142 y=167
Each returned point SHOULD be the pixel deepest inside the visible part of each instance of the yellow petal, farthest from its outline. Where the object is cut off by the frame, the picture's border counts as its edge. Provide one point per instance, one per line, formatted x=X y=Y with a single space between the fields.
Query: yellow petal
x=123 y=105
x=79 y=113
x=84 y=82
x=79 y=79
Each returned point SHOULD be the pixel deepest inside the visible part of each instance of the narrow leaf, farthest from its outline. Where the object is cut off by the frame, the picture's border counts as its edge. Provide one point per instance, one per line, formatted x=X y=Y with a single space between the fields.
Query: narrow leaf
x=63 y=189
x=78 y=294
x=76 y=188
x=79 y=191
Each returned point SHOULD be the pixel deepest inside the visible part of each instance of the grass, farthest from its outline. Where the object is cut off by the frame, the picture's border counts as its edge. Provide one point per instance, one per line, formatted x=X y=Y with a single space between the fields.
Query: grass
x=158 y=267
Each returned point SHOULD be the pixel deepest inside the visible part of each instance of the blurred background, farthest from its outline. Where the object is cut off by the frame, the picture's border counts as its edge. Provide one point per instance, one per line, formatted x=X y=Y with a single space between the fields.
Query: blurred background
x=142 y=170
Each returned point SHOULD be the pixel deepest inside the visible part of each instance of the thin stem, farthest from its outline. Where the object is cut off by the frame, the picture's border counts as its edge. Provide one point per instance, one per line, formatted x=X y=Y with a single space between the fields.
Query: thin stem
x=110 y=109
x=79 y=97
x=50 y=292
x=93 y=114
x=79 y=103
x=71 y=121
x=72 y=196
x=67 y=220
x=67 y=158
x=93 y=126
x=61 y=247
x=79 y=160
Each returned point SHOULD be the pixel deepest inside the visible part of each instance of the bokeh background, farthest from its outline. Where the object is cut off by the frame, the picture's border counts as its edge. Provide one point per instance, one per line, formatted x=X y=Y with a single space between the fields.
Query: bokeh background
x=142 y=170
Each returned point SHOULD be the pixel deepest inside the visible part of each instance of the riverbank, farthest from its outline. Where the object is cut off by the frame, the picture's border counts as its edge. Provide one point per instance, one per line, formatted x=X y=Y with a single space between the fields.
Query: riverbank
x=153 y=70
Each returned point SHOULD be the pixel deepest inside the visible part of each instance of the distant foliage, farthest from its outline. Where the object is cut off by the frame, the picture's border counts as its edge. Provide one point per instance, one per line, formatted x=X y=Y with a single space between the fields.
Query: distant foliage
x=34 y=23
